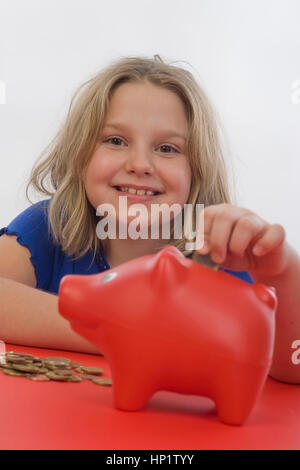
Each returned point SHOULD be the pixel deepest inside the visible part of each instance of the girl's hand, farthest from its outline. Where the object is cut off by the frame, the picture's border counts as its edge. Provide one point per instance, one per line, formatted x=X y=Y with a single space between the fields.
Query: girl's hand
x=240 y=240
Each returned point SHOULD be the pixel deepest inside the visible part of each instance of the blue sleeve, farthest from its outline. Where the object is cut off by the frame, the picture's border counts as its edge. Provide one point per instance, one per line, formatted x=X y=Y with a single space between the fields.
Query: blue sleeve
x=32 y=230
x=244 y=275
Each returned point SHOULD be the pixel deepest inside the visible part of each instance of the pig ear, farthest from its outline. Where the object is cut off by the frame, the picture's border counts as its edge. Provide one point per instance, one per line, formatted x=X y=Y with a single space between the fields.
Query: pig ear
x=267 y=294
x=170 y=264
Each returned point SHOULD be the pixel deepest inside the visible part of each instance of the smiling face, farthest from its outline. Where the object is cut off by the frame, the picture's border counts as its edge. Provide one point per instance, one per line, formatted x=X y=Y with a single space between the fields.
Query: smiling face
x=142 y=146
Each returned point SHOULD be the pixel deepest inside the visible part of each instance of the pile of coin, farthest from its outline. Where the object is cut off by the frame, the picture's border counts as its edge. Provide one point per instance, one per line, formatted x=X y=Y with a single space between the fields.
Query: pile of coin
x=49 y=368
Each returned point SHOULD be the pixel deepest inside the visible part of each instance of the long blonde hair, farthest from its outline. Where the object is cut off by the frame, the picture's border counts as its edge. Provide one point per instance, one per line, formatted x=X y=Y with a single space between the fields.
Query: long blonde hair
x=71 y=216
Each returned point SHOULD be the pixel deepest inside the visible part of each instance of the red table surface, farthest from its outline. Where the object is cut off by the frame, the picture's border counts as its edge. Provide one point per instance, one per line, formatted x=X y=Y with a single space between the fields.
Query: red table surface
x=60 y=415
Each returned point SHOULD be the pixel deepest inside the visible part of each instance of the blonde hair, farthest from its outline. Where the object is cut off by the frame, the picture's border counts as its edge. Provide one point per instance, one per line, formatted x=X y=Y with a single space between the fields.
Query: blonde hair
x=71 y=216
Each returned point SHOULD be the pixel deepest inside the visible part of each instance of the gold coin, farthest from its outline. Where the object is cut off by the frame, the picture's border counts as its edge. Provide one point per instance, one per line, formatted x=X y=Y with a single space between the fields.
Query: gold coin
x=90 y=370
x=25 y=368
x=87 y=376
x=49 y=368
x=75 y=364
x=15 y=373
x=39 y=377
x=16 y=360
x=74 y=378
x=101 y=381
x=55 y=360
x=4 y=365
x=19 y=356
x=56 y=365
x=64 y=372
x=51 y=375
x=43 y=370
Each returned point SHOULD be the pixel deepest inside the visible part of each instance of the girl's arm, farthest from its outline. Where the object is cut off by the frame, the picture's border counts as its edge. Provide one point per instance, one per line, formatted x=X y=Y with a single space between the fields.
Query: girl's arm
x=29 y=316
x=287 y=284
x=239 y=239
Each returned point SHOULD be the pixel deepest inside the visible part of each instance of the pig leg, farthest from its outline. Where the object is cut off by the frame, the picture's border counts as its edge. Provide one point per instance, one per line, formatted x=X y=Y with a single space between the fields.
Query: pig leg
x=133 y=385
x=131 y=398
x=237 y=390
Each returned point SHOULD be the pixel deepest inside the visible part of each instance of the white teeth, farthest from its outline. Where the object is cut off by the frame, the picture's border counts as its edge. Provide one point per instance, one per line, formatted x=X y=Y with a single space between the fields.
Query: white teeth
x=139 y=192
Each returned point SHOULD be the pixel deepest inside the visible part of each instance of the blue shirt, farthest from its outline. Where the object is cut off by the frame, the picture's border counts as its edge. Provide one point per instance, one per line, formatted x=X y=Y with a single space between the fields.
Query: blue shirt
x=49 y=261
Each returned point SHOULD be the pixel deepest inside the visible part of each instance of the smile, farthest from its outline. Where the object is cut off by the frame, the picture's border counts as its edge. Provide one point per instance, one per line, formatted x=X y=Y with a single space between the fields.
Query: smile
x=136 y=192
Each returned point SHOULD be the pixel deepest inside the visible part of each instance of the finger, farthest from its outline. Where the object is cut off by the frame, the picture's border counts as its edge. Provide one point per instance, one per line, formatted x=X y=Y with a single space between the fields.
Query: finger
x=209 y=214
x=248 y=228
x=222 y=227
x=274 y=236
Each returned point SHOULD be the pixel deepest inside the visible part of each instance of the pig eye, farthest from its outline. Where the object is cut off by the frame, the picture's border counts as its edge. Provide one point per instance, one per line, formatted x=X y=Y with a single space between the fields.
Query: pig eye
x=109 y=277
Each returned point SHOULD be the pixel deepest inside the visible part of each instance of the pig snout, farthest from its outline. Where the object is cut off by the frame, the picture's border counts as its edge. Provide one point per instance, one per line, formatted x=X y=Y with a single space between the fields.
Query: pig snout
x=72 y=298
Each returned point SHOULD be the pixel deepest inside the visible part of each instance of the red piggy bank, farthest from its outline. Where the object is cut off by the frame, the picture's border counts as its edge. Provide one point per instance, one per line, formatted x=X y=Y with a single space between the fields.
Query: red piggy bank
x=164 y=322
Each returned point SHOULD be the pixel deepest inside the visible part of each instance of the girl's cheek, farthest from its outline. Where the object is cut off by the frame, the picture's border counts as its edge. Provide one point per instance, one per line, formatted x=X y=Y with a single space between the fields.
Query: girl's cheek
x=100 y=167
x=183 y=178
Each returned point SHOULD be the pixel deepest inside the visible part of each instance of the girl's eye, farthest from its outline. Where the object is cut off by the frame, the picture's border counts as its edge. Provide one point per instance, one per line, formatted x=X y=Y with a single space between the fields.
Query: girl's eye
x=164 y=145
x=112 y=138
x=170 y=147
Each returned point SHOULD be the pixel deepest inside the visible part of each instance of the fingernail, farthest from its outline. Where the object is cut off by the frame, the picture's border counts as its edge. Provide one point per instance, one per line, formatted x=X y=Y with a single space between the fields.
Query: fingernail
x=205 y=247
x=217 y=257
x=258 y=250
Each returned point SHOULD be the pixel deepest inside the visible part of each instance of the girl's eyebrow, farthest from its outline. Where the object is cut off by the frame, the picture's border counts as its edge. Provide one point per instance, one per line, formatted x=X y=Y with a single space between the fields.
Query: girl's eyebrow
x=169 y=132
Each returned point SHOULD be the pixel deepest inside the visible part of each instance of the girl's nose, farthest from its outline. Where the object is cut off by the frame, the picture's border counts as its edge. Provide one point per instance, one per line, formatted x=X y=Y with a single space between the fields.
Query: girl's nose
x=139 y=161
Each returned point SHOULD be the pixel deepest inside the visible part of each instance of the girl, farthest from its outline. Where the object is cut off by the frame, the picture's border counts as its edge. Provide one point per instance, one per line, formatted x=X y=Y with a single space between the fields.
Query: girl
x=139 y=125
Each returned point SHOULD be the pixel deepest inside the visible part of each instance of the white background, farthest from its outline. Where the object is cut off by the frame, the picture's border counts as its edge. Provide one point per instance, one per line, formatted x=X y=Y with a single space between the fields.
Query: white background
x=245 y=54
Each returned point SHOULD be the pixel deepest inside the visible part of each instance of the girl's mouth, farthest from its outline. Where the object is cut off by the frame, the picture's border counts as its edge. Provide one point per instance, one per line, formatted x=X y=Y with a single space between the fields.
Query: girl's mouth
x=137 y=197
